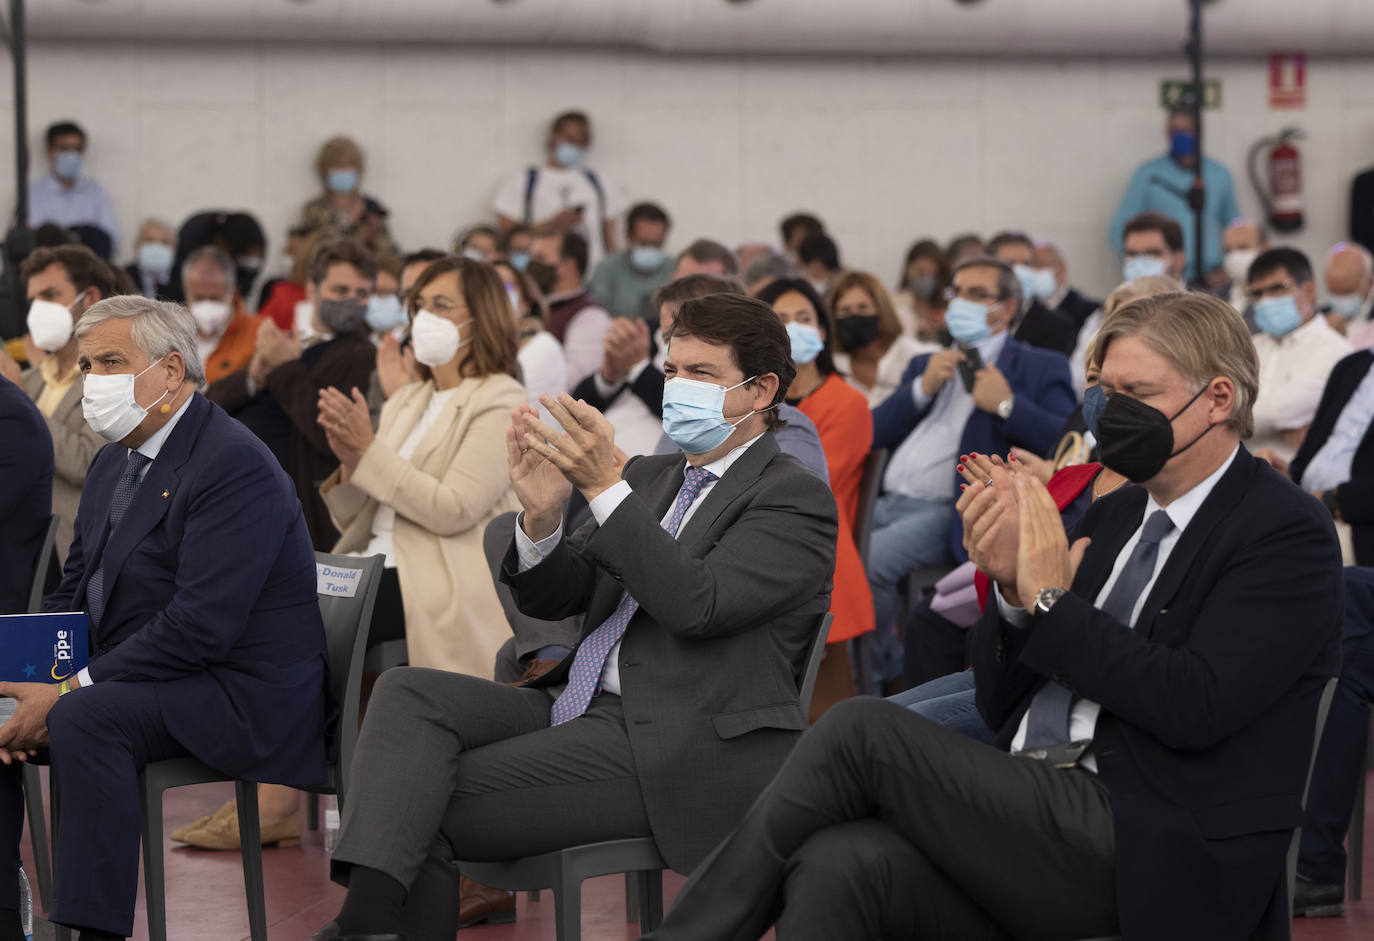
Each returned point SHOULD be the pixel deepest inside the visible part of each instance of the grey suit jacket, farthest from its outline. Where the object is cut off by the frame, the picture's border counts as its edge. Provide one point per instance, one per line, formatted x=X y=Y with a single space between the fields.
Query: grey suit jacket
x=74 y=446
x=709 y=663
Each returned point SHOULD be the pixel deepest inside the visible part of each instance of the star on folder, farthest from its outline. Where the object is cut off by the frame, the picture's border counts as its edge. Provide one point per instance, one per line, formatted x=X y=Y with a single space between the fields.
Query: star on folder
x=30 y=670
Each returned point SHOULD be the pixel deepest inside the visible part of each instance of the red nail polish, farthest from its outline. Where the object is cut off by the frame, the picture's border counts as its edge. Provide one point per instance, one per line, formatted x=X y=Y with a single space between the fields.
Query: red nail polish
x=960 y=468
x=963 y=486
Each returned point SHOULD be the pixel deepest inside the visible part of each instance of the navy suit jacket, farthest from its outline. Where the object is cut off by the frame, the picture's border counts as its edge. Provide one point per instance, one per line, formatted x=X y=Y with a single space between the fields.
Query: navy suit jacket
x=26 y=469
x=1208 y=704
x=209 y=593
x=1043 y=399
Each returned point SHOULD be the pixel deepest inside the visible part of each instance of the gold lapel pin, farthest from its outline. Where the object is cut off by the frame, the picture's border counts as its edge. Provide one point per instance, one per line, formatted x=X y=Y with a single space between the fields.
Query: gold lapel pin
x=166 y=494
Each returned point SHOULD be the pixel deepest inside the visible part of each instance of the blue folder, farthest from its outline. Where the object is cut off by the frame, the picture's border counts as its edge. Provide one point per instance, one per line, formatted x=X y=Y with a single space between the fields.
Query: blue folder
x=42 y=648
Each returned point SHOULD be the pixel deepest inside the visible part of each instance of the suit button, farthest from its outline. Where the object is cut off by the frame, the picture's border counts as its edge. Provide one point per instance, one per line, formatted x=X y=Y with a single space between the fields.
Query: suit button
x=998 y=651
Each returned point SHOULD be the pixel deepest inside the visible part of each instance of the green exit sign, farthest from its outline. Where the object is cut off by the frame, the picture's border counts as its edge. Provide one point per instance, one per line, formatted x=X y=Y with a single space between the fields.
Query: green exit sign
x=1178 y=93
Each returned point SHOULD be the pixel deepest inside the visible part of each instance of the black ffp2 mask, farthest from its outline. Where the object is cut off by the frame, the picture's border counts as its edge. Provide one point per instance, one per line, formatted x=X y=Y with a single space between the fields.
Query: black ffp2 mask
x=1136 y=440
x=856 y=332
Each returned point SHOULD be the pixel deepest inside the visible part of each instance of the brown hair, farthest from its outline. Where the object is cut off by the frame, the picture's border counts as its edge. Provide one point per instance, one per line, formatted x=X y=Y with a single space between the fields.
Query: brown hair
x=339 y=149
x=493 y=347
x=1156 y=222
x=692 y=286
x=1203 y=336
x=753 y=332
x=535 y=304
x=339 y=251
x=889 y=327
x=84 y=268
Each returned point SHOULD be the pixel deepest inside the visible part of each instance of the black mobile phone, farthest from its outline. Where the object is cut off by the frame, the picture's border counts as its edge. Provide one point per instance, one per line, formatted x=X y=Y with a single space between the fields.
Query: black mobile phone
x=968 y=369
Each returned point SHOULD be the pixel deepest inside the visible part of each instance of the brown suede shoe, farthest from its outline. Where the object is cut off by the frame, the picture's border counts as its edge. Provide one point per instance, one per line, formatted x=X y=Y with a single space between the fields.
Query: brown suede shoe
x=180 y=834
x=478 y=904
x=534 y=670
x=223 y=833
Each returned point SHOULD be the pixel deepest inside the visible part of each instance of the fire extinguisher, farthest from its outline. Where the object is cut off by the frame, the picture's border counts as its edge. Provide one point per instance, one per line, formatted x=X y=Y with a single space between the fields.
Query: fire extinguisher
x=1282 y=197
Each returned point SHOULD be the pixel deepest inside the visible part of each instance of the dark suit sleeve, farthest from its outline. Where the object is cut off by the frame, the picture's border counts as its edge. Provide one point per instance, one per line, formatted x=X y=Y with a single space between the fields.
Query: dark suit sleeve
x=780 y=548
x=231 y=392
x=1362 y=210
x=1043 y=400
x=1244 y=649
x=237 y=518
x=297 y=392
x=587 y=391
x=558 y=587
x=897 y=415
x=647 y=387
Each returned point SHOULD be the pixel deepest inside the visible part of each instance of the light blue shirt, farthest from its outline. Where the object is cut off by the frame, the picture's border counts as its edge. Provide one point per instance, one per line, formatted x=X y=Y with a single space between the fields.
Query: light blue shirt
x=1330 y=466
x=923 y=465
x=84 y=203
x=1161 y=185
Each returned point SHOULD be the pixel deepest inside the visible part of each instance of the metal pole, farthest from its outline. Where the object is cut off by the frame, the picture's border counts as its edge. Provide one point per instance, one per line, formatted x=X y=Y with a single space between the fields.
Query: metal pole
x=1197 y=196
x=18 y=54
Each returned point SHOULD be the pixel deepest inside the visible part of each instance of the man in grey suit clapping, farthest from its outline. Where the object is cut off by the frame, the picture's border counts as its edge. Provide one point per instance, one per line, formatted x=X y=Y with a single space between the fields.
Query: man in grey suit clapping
x=703 y=578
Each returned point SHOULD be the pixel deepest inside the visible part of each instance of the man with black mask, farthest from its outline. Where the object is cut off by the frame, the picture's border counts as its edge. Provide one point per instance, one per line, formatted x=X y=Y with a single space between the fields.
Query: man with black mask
x=1157 y=684
x=277 y=395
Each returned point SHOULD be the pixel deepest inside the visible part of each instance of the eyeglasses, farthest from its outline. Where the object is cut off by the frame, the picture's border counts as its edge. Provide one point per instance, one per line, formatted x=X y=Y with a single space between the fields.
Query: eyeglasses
x=1273 y=289
x=440 y=305
x=978 y=295
x=863 y=310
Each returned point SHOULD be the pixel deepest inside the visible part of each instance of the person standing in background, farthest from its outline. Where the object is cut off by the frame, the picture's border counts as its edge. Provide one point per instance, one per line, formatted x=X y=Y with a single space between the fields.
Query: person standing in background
x=1162 y=185
x=343 y=209
x=67 y=198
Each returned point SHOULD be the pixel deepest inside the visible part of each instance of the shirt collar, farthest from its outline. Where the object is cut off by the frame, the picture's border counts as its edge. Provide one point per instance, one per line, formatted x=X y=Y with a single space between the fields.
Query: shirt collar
x=1182 y=510
x=720 y=465
x=1057 y=297
x=991 y=347
x=157 y=439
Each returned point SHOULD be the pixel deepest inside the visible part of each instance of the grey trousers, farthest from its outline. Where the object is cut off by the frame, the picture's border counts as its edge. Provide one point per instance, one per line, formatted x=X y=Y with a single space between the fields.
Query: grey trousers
x=450 y=766
x=882 y=824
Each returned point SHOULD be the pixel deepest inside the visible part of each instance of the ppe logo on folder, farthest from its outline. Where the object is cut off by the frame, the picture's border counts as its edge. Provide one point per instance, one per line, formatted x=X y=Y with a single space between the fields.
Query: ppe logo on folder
x=42 y=648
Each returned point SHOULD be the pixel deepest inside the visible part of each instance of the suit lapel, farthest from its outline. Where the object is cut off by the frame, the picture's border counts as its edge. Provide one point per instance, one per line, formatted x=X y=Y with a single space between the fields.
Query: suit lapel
x=736 y=481
x=1121 y=519
x=443 y=422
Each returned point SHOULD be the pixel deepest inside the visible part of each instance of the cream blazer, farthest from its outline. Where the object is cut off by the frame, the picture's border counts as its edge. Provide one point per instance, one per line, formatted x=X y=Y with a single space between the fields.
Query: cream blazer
x=444 y=496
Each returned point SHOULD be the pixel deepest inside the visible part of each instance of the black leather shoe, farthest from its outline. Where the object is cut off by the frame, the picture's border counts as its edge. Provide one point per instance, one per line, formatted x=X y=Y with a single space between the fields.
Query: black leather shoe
x=1317 y=899
x=330 y=932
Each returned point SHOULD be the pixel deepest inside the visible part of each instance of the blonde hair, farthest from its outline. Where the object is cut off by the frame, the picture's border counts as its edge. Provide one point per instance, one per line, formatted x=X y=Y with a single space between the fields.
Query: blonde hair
x=1137 y=288
x=339 y=150
x=1203 y=336
x=889 y=327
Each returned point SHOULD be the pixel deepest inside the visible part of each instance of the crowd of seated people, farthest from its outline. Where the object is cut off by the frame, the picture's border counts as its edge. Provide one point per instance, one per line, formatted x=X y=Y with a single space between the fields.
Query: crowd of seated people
x=672 y=448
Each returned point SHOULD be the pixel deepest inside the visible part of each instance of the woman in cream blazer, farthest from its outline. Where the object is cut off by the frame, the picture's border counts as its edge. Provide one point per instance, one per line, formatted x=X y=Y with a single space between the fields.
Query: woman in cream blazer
x=423 y=489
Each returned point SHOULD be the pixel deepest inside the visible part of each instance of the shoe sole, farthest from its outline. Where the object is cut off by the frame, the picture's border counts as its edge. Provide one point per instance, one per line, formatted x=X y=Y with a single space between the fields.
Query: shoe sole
x=495 y=918
x=1321 y=911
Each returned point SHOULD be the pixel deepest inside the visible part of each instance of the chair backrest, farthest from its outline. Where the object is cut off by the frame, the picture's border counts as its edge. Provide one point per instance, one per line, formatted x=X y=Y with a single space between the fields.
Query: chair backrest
x=347 y=620
x=1323 y=707
x=47 y=553
x=870 y=486
x=813 y=661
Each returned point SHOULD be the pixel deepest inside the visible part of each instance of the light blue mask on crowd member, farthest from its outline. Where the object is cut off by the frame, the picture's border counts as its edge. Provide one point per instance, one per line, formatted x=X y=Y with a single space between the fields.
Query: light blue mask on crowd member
x=67 y=163
x=567 y=155
x=806 y=342
x=1278 y=316
x=384 y=312
x=1142 y=266
x=694 y=414
x=967 y=321
x=1094 y=401
x=1031 y=282
x=1347 y=305
x=342 y=180
x=155 y=258
x=646 y=257
x=519 y=260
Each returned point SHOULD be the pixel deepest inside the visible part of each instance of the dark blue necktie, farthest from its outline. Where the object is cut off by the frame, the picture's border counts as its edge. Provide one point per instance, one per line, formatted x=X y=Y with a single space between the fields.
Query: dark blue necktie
x=119 y=503
x=1047 y=720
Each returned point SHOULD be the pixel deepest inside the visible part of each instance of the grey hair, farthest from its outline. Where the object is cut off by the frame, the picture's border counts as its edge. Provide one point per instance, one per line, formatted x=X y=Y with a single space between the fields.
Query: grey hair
x=216 y=256
x=772 y=266
x=1008 y=284
x=158 y=327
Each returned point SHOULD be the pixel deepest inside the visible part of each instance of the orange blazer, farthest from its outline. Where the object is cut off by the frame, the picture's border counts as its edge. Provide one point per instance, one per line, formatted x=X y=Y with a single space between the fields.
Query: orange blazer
x=235 y=347
x=845 y=424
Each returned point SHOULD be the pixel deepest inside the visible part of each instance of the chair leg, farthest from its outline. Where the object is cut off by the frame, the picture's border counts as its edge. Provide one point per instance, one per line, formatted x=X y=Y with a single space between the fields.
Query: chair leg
x=633 y=881
x=312 y=810
x=650 y=900
x=250 y=844
x=1354 y=844
x=567 y=902
x=154 y=876
x=60 y=932
x=38 y=834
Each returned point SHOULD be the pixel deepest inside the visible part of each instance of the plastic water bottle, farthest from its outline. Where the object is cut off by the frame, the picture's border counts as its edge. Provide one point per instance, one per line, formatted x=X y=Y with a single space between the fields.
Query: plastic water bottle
x=25 y=905
x=330 y=802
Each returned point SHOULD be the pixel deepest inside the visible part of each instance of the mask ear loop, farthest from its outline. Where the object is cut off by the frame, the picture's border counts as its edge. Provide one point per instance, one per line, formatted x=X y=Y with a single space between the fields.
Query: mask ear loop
x=1184 y=409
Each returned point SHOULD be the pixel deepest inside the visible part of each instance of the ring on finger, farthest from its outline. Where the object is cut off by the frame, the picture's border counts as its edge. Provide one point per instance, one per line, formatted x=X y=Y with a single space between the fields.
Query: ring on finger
x=988 y=483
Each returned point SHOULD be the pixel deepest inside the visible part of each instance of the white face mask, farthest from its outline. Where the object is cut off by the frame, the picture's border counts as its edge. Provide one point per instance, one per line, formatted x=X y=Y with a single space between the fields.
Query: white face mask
x=50 y=324
x=211 y=317
x=1237 y=263
x=109 y=405
x=435 y=339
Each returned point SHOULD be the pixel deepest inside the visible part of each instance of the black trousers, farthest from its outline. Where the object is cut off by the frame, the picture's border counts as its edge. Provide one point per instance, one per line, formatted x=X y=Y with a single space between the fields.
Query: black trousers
x=882 y=824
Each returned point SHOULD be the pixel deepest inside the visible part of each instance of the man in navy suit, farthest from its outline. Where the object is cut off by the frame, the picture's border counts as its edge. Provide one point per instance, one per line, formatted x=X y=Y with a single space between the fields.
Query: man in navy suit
x=1020 y=397
x=192 y=559
x=26 y=469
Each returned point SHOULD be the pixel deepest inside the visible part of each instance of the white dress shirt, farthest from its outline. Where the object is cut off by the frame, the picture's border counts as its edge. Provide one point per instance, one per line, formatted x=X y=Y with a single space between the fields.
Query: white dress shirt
x=890 y=367
x=149 y=449
x=922 y=464
x=1331 y=465
x=1293 y=370
x=532 y=553
x=544 y=370
x=1083 y=717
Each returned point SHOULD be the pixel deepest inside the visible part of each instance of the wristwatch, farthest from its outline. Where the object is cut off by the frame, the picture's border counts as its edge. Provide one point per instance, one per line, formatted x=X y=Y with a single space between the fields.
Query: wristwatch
x=1004 y=407
x=1046 y=599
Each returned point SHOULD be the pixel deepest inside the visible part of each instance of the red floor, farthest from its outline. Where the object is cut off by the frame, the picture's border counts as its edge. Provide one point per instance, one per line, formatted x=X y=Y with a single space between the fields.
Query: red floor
x=205 y=893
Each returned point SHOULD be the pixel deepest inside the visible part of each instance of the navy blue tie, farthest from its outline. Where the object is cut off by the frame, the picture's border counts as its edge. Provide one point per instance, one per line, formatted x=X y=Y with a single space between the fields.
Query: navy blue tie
x=1047 y=720
x=119 y=504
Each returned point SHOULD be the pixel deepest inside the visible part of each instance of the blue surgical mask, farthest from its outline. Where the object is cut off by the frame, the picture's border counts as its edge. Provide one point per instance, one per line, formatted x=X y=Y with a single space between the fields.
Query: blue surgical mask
x=646 y=257
x=155 y=258
x=567 y=155
x=1182 y=144
x=966 y=321
x=1026 y=275
x=1142 y=266
x=519 y=260
x=1278 y=316
x=342 y=180
x=1094 y=401
x=694 y=414
x=1044 y=285
x=1347 y=305
x=67 y=164
x=806 y=342
x=384 y=312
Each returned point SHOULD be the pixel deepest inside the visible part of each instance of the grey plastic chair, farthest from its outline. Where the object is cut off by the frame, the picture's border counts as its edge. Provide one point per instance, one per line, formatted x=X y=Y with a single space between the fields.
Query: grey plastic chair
x=33 y=779
x=1354 y=839
x=565 y=870
x=347 y=622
